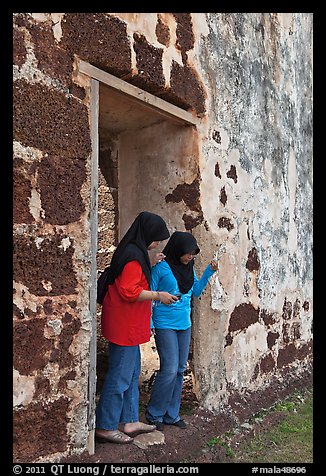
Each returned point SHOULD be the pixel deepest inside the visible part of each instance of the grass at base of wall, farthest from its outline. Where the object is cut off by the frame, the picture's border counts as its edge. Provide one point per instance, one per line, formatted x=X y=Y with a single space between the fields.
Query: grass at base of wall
x=290 y=441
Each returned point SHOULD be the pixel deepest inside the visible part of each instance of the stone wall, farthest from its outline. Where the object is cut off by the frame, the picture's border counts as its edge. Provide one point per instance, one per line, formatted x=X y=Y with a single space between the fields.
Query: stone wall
x=241 y=182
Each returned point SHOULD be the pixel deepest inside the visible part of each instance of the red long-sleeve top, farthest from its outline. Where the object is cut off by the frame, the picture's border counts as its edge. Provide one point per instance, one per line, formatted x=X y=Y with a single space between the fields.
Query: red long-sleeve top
x=124 y=320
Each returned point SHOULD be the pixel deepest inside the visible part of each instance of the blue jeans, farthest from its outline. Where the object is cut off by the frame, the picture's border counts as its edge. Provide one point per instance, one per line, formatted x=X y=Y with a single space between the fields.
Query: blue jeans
x=119 y=398
x=173 y=350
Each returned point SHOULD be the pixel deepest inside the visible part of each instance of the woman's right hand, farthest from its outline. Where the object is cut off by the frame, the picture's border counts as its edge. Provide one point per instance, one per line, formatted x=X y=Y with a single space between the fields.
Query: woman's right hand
x=167 y=298
x=157 y=258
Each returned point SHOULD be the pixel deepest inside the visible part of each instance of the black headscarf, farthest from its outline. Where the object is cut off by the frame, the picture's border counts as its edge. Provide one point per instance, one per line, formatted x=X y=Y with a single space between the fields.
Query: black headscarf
x=146 y=228
x=180 y=243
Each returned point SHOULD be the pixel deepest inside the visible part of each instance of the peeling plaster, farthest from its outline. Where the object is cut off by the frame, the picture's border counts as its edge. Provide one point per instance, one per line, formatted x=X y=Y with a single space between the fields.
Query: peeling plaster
x=306 y=327
x=244 y=62
x=244 y=353
x=79 y=345
x=200 y=29
x=224 y=282
x=23 y=389
x=217 y=293
x=56 y=19
x=56 y=327
x=29 y=154
x=65 y=243
x=35 y=206
x=146 y=24
x=23 y=298
x=41 y=17
x=38 y=242
x=47 y=285
x=285 y=21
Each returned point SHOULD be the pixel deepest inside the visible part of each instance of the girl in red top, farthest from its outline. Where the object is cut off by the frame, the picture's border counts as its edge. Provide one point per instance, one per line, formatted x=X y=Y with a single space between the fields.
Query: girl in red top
x=125 y=320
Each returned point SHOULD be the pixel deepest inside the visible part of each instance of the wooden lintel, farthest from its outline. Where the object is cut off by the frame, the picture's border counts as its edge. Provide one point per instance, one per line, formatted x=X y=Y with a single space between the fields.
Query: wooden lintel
x=155 y=103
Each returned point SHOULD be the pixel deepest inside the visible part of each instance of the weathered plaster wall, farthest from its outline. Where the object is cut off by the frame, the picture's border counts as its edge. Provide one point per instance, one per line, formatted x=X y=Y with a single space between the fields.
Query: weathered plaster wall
x=256 y=196
x=242 y=180
x=52 y=186
x=51 y=247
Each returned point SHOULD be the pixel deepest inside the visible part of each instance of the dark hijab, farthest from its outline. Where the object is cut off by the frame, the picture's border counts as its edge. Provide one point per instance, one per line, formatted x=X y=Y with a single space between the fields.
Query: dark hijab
x=146 y=228
x=180 y=243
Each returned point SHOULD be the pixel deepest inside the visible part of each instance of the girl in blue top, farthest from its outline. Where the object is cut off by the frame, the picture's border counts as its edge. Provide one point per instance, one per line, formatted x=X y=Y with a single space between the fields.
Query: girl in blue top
x=172 y=323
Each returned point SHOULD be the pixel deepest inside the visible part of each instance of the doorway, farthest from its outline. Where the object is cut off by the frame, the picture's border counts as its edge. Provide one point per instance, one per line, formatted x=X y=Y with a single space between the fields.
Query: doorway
x=143 y=148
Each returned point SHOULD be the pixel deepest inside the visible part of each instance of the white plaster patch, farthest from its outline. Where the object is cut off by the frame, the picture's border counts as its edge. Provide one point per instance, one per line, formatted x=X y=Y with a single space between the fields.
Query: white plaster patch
x=23 y=389
x=170 y=54
x=41 y=17
x=105 y=227
x=104 y=251
x=26 y=153
x=80 y=343
x=35 y=206
x=65 y=243
x=56 y=326
x=23 y=298
x=224 y=282
x=306 y=322
x=57 y=30
x=243 y=354
x=200 y=26
x=47 y=285
x=217 y=293
x=144 y=23
x=38 y=241
x=234 y=156
x=286 y=20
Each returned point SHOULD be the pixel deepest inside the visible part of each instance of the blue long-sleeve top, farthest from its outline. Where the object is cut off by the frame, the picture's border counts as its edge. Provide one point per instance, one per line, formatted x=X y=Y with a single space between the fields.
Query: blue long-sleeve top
x=177 y=315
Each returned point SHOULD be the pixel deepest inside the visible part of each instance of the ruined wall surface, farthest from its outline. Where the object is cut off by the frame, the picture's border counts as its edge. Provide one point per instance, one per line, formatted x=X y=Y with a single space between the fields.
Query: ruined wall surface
x=52 y=196
x=52 y=323
x=248 y=188
x=256 y=197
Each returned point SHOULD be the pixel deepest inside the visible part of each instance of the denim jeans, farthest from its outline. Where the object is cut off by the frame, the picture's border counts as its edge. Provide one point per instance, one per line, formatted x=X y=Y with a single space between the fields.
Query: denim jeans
x=173 y=350
x=119 y=398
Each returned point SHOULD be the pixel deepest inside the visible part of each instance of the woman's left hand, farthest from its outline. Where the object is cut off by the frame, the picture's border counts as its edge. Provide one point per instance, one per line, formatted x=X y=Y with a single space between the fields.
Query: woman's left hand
x=214 y=265
x=157 y=258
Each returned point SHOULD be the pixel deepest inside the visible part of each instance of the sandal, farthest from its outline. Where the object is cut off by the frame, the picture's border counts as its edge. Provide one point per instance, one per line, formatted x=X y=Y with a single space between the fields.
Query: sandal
x=142 y=429
x=115 y=436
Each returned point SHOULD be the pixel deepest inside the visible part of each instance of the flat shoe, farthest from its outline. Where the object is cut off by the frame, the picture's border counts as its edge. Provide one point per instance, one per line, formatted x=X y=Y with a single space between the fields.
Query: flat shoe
x=180 y=424
x=143 y=429
x=116 y=437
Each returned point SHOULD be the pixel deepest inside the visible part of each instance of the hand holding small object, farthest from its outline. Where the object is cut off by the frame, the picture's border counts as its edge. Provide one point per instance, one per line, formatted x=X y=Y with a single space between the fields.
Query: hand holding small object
x=214 y=265
x=164 y=297
x=157 y=258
